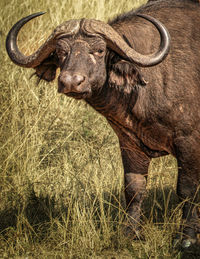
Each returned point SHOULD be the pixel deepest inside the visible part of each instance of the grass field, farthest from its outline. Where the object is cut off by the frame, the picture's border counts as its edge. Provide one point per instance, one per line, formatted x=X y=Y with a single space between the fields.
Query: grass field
x=61 y=179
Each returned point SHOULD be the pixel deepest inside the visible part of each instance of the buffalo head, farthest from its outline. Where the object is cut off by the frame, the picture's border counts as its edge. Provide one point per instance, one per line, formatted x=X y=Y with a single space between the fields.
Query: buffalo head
x=79 y=48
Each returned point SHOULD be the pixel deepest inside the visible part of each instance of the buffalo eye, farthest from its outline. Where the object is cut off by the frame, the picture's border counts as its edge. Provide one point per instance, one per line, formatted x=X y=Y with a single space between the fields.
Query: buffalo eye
x=62 y=50
x=98 y=53
x=62 y=56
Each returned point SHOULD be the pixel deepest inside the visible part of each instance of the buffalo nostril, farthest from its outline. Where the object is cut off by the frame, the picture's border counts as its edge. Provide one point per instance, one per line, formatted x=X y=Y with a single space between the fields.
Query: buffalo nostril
x=69 y=82
x=78 y=79
x=72 y=80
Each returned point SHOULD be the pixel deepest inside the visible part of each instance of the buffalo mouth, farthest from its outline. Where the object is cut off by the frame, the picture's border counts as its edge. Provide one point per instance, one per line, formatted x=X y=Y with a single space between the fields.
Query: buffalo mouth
x=77 y=95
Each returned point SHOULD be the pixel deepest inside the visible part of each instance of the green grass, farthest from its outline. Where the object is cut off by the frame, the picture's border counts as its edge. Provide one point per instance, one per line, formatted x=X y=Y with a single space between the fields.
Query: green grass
x=61 y=178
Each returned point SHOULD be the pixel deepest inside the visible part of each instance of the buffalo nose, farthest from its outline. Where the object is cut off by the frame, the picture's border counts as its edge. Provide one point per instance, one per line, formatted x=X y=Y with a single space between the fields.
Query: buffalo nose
x=72 y=82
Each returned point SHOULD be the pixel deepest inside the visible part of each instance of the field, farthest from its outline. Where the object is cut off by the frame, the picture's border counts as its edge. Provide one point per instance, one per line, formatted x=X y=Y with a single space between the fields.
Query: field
x=61 y=176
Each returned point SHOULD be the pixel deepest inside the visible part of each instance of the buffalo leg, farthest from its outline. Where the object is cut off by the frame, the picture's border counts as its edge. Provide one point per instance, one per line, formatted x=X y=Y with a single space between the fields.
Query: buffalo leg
x=136 y=169
x=187 y=153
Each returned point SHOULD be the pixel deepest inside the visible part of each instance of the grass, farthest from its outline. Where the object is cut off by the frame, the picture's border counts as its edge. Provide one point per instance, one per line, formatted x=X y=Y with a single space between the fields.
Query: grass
x=61 y=180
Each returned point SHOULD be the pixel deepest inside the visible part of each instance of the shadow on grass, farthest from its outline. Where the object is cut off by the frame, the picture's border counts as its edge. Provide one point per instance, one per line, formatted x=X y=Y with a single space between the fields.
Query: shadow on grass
x=192 y=252
x=158 y=206
x=37 y=213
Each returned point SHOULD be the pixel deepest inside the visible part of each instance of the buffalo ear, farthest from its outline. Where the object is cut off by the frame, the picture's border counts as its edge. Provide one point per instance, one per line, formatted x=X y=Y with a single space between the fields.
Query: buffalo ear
x=47 y=69
x=124 y=73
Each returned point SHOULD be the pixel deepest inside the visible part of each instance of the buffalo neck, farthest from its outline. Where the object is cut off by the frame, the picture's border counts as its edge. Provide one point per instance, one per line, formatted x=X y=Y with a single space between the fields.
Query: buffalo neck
x=115 y=104
x=125 y=112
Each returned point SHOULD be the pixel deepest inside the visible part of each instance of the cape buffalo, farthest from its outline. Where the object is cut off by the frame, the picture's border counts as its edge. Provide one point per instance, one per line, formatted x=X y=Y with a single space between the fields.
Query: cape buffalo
x=146 y=84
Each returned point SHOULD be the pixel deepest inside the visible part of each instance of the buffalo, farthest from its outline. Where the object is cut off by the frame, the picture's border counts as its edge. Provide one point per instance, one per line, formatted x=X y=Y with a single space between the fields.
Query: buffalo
x=141 y=71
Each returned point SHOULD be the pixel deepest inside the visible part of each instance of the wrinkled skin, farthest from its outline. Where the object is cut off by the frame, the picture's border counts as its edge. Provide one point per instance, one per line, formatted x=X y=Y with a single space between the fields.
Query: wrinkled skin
x=80 y=79
x=154 y=111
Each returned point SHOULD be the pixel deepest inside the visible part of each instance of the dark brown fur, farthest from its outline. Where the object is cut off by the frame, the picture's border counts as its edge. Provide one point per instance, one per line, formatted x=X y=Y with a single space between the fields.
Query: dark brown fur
x=154 y=111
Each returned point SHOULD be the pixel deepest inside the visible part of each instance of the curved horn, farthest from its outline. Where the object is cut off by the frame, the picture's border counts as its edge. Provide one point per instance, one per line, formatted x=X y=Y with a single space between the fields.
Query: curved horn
x=67 y=28
x=16 y=56
x=115 y=41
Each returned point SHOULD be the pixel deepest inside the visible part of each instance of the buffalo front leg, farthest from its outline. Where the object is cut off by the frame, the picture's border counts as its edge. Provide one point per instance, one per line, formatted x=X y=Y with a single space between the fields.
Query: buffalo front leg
x=136 y=165
x=187 y=153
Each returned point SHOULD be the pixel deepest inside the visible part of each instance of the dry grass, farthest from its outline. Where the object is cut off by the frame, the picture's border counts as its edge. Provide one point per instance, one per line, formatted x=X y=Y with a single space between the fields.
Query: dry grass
x=61 y=178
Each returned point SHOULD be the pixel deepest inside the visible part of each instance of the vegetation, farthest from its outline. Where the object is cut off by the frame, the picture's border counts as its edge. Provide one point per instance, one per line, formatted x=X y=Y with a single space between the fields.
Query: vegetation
x=61 y=176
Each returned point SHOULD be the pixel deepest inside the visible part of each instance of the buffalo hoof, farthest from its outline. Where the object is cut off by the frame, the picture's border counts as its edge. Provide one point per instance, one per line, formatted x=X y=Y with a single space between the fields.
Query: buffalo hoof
x=184 y=243
x=186 y=238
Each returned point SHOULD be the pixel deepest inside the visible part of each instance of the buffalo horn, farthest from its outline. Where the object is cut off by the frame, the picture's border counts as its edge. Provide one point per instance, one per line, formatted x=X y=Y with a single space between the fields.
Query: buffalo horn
x=67 y=28
x=116 y=43
x=91 y=27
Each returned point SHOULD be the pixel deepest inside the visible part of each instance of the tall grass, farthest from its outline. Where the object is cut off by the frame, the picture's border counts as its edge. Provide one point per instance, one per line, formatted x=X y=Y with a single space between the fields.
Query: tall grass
x=61 y=180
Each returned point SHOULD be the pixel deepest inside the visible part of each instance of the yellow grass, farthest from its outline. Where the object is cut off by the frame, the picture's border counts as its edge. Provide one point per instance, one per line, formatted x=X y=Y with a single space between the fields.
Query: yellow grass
x=61 y=179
